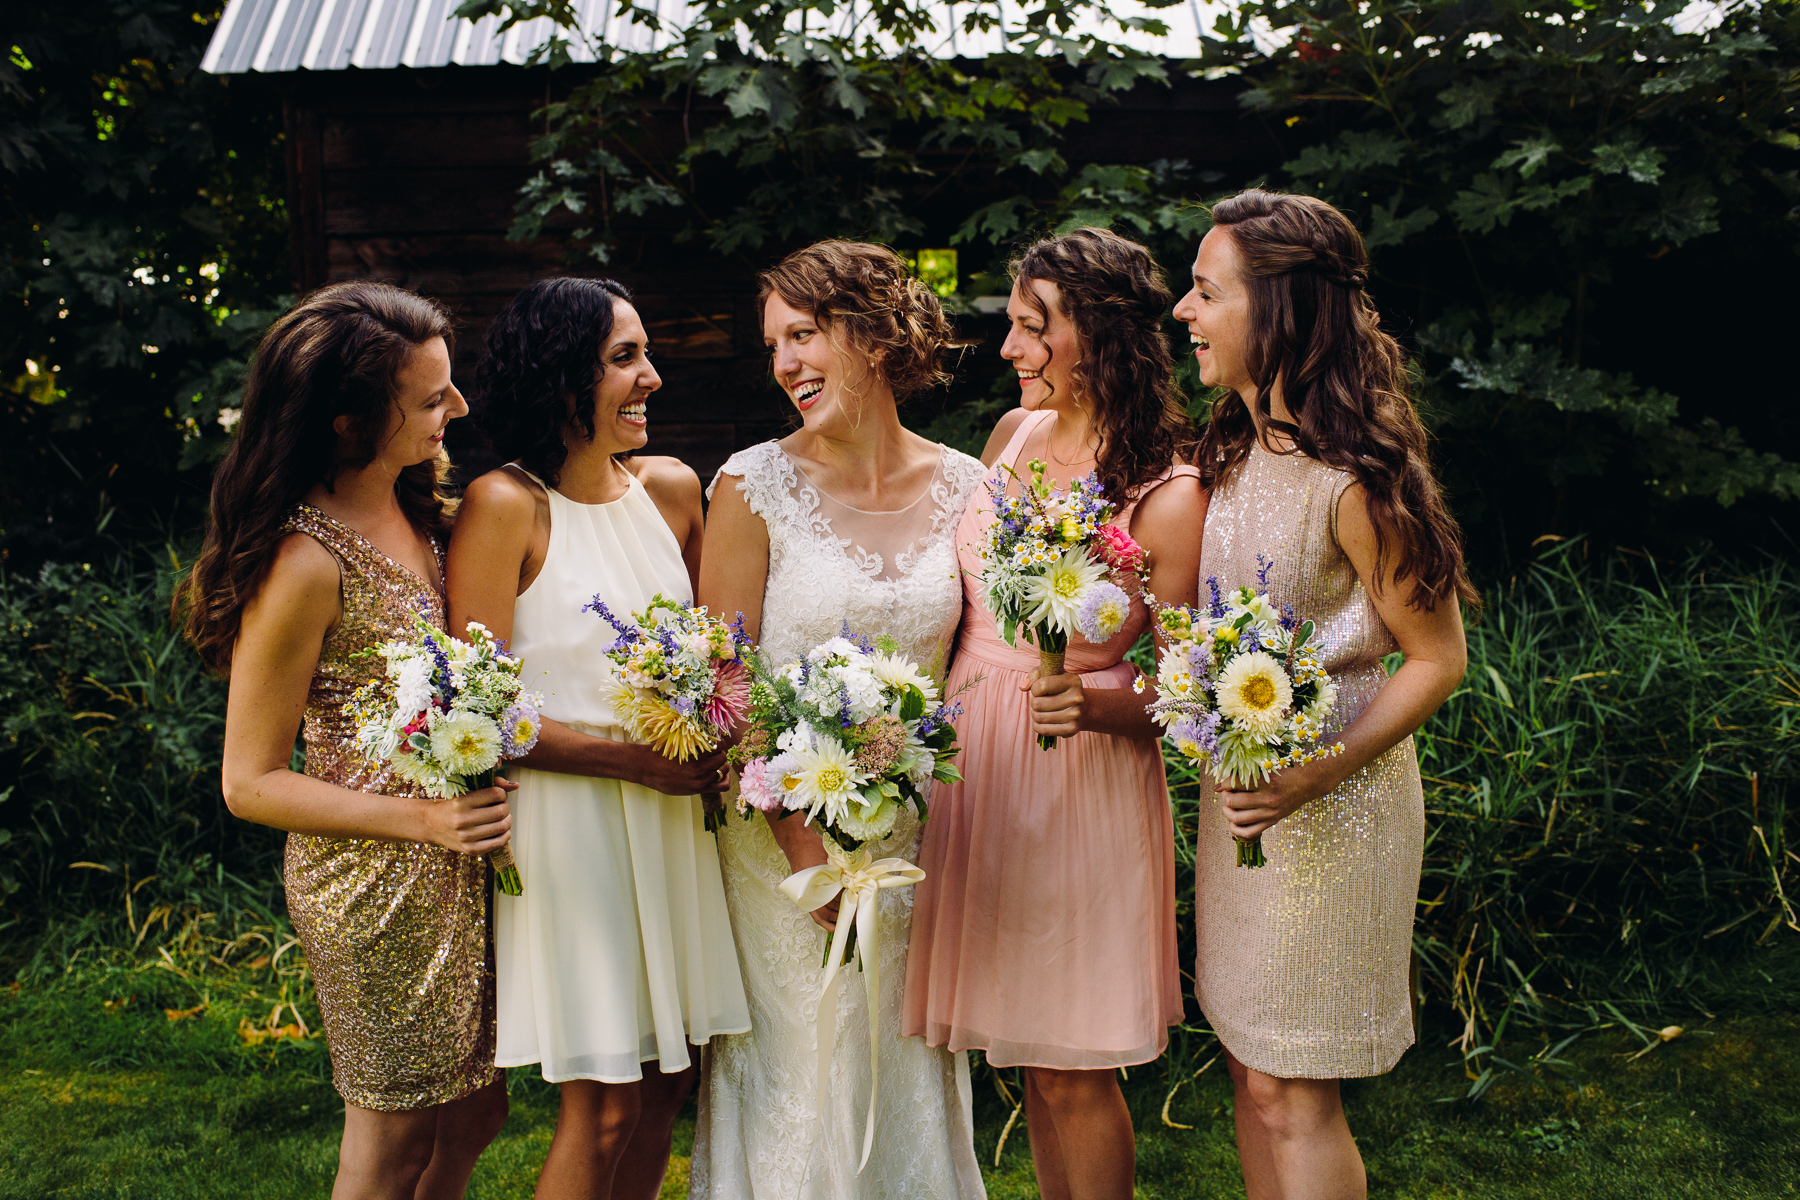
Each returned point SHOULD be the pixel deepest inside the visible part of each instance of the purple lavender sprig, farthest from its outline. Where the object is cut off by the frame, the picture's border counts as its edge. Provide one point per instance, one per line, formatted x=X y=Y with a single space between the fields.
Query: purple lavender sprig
x=628 y=633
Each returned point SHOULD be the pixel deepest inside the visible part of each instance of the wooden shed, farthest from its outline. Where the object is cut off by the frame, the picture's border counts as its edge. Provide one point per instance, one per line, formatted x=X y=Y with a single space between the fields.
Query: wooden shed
x=410 y=173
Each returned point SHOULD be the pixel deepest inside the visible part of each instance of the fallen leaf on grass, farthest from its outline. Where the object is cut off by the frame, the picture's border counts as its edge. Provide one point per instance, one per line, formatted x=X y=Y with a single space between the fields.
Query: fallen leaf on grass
x=182 y=1014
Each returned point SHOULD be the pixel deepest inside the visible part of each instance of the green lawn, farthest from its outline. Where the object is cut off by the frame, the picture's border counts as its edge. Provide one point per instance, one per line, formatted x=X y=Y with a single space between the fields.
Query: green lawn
x=120 y=1100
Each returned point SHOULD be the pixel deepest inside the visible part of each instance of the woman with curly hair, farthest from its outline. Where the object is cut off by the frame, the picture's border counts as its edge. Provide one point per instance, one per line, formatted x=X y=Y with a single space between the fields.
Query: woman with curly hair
x=325 y=539
x=1316 y=459
x=619 y=952
x=1044 y=933
x=847 y=520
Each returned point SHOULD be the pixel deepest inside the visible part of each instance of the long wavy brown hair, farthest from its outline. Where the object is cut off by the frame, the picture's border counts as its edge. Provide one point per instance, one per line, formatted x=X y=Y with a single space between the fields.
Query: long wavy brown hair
x=335 y=354
x=867 y=291
x=1315 y=332
x=1116 y=296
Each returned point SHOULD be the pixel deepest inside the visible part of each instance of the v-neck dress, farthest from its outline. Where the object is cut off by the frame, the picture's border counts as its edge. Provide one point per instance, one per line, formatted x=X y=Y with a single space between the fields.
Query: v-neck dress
x=620 y=950
x=396 y=933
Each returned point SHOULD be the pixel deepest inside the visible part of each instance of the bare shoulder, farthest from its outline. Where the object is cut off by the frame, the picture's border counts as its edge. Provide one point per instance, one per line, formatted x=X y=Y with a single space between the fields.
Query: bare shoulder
x=1172 y=512
x=304 y=577
x=666 y=479
x=503 y=494
x=1003 y=433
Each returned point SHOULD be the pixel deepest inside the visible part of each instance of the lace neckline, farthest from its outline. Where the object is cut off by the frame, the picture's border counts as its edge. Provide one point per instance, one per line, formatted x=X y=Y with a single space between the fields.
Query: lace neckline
x=937 y=473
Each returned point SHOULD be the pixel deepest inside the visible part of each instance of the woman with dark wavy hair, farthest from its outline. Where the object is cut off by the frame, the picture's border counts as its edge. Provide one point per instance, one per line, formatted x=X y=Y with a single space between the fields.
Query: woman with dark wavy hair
x=326 y=539
x=619 y=953
x=1316 y=458
x=1044 y=933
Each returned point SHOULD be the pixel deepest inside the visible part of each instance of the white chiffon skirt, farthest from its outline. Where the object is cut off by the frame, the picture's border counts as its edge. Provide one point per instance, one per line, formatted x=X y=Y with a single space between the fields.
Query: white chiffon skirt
x=620 y=951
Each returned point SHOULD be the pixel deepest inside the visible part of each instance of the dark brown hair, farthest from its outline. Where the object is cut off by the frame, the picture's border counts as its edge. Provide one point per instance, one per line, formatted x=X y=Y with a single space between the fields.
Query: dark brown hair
x=1115 y=295
x=866 y=291
x=542 y=349
x=1315 y=331
x=335 y=354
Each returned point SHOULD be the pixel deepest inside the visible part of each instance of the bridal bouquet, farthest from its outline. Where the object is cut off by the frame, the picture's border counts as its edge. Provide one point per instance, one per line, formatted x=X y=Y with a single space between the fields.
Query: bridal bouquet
x=1239 y=687
x=444 y=715
x=848 y=734
x=1051 y=564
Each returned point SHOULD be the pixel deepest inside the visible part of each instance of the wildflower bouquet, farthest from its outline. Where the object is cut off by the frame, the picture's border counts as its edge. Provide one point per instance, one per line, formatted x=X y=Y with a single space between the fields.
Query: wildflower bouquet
x=444 y=715
x=1240 y=688
x=1051 y=564
x=849 y=734
x=679 y=684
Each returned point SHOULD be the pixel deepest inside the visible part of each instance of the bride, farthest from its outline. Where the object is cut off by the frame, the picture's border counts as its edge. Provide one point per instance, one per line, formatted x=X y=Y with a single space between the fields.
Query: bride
x=849 y=519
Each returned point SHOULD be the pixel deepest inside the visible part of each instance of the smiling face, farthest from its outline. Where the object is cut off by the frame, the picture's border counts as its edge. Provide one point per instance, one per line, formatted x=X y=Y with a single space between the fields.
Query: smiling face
x=829 y=381
x=1042 y=346
x=425 y=402
x=1217 y=313
x=621 y=420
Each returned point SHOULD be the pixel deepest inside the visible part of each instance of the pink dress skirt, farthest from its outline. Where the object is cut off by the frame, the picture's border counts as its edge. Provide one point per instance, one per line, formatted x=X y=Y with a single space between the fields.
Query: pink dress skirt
x=1044 y=931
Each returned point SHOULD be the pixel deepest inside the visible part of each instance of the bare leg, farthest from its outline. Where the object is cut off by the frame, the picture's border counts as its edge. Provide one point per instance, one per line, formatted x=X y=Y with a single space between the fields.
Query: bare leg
x=383 y=1154
x=594 y=1124
x=1093 y=1132
x=1254 y=1155
x=646 y=1159
x=1046 y=1151
x=465 y=1127
x=1308 y=1138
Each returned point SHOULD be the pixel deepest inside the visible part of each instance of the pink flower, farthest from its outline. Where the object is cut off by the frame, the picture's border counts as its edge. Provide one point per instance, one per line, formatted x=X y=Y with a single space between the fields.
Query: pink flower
x=730 y=698
x=886 y=738
x=1117 y=549
x=758 y=786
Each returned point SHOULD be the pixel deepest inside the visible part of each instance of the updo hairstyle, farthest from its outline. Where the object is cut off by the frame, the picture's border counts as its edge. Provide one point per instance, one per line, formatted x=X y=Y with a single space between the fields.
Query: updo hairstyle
x=866 y=292
x=543 y=349
x=1115 y=295
x=1314 y=328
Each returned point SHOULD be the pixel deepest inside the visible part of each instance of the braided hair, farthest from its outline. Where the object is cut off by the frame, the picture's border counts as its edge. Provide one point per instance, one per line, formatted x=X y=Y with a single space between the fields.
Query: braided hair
x=1315 y=332
x=1115 y=295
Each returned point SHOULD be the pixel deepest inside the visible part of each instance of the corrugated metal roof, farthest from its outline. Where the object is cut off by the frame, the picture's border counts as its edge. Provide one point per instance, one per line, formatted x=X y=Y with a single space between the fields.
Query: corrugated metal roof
x=330 y=35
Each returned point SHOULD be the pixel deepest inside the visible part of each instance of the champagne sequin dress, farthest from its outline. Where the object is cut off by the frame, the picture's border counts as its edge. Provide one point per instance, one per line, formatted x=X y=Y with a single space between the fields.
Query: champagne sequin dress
x=1302 y=964
x=396 y=933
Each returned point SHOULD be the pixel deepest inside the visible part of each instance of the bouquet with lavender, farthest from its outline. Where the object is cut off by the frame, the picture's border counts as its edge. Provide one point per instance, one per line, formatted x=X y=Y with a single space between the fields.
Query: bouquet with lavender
x=444 y=715
x=1240 y=689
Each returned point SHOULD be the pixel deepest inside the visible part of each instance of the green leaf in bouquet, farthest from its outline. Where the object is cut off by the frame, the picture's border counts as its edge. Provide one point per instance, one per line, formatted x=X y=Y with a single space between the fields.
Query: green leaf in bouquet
x=945 y=772
x=912 y=704
x=1305 y=634
x=1009 y=630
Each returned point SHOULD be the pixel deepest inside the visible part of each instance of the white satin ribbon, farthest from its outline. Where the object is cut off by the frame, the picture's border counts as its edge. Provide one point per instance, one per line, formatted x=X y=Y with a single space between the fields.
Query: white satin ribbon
x=860 y=881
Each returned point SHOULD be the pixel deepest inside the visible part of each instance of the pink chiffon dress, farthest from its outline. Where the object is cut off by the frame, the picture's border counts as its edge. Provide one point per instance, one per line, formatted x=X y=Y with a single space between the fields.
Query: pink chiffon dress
x=1044 y=931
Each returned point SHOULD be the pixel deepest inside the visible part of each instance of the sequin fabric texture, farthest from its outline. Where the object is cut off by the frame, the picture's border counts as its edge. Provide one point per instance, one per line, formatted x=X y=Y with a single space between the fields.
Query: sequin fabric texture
x=1302 y=965
x=397 y=933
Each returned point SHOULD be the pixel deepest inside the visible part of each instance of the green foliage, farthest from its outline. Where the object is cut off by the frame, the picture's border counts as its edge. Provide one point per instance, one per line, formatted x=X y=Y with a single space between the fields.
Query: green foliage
x=822 y=129
x=142 y=233
x=112 y=735
x=1556 y=194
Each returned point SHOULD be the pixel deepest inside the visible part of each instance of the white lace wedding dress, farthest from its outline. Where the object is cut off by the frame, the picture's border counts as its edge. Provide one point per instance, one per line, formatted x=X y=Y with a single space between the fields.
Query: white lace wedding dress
x=758 y=1135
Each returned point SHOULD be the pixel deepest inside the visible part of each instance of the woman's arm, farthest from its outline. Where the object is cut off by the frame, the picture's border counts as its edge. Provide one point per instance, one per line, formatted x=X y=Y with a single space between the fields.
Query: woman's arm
x=272 y=667
x=502 y=533
x=1167 y=524
x=734 y=572
x=1437 y=656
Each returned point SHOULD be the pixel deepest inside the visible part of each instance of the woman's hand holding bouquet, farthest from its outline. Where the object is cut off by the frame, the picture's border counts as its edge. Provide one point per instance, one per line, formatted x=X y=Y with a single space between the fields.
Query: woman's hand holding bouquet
x=1240 y=689
x=444 y=714
x=1052 y=565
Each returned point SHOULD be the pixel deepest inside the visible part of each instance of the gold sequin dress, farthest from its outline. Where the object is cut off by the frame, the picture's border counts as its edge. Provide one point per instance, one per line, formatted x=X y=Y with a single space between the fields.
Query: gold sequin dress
x=397 y=933
x=1302 y=964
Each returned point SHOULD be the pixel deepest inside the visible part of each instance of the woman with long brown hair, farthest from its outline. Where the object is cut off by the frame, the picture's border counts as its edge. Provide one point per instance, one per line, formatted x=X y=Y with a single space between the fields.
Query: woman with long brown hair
x=1316 y=459
x=1044 y=932
x=327 y=538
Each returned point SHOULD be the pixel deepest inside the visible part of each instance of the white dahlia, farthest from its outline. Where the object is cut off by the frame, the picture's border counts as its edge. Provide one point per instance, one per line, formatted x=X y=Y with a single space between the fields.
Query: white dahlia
x=823 y=778
x=1056 y=596
x=1254 y=692
x=896 y=674
x=464 y=743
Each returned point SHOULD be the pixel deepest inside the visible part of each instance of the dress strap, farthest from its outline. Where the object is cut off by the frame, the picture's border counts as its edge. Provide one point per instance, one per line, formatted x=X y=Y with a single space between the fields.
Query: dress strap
x=1026 y=428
